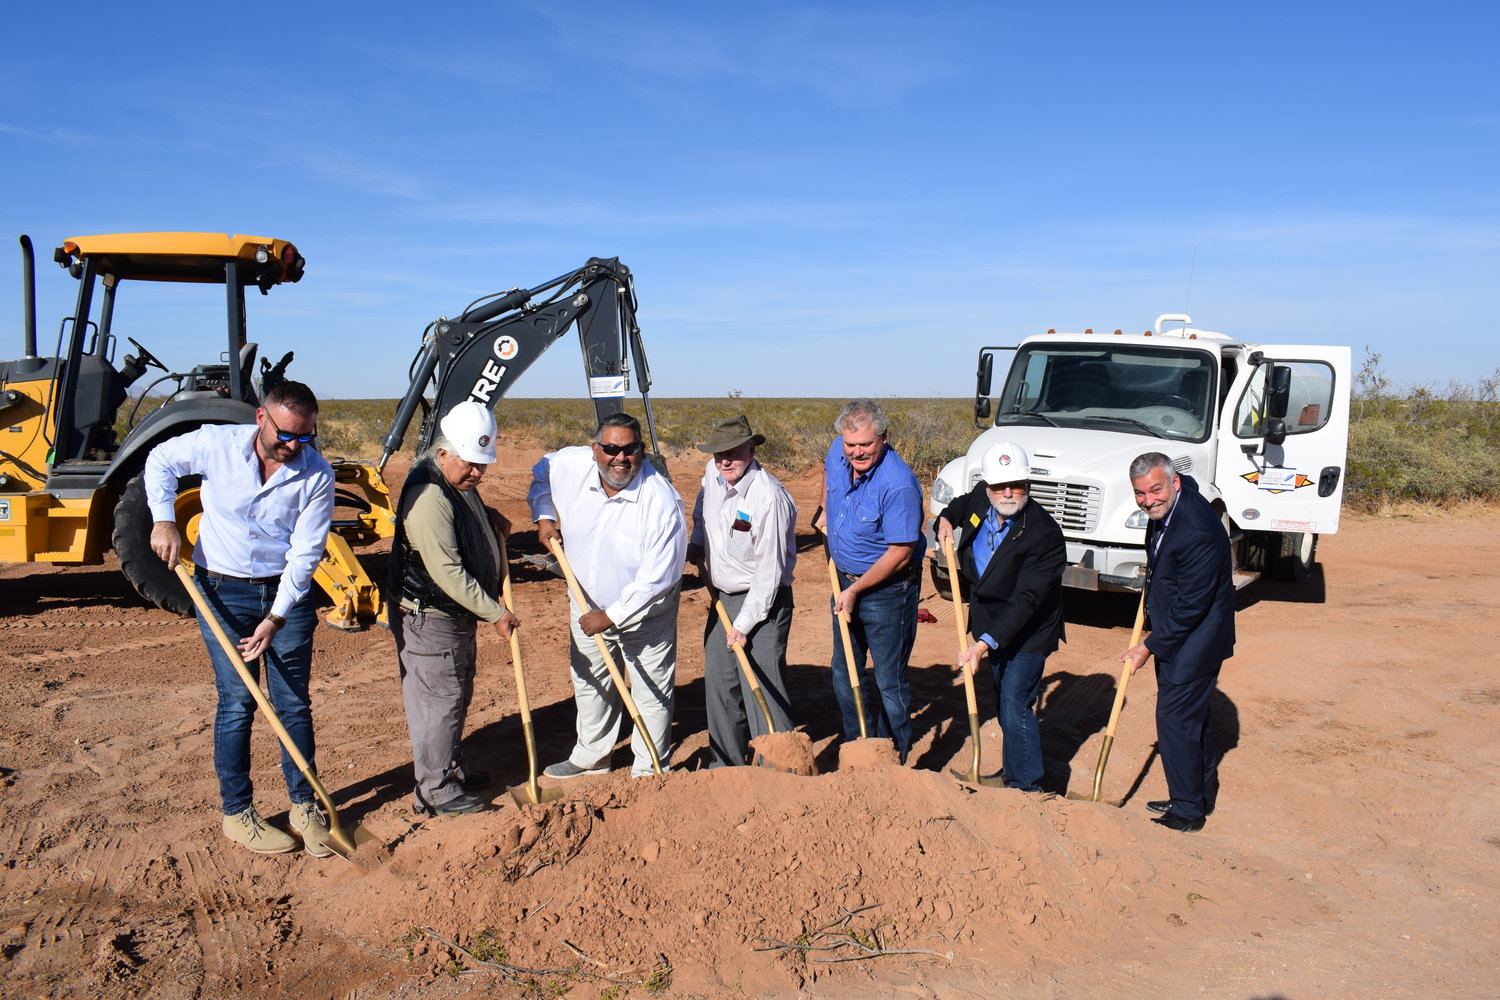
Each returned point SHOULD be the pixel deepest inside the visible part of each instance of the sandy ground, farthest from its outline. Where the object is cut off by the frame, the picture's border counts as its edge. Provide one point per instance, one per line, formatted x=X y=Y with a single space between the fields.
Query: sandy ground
x=1353 y=853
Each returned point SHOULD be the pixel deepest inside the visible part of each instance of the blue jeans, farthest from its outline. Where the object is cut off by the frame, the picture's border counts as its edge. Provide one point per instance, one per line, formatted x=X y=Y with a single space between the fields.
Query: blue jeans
x=884 y=625
x=240 y=606
x=1018 y=681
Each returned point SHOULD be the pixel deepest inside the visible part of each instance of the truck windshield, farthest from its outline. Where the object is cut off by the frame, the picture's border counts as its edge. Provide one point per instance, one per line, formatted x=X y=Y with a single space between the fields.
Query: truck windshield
x=1161 y=392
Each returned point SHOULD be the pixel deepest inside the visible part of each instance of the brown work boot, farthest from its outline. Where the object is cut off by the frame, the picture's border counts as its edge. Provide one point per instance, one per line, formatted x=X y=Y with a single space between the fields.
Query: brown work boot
x=310 y=825
x=248 y=829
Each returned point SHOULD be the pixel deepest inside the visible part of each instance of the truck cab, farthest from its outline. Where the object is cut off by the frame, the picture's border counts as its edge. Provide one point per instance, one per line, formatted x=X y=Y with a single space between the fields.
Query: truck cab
x=1262 y=428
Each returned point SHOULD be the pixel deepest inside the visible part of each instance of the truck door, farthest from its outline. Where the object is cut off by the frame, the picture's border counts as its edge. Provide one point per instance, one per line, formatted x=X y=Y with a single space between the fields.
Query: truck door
x=1298 y=484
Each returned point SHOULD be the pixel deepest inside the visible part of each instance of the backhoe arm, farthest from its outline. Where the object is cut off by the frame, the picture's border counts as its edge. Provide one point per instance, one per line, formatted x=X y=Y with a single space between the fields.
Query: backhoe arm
x=480 y=354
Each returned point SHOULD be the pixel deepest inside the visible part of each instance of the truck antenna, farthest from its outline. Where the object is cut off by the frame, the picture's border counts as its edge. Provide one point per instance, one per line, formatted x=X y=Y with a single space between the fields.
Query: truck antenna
x=1192 y=266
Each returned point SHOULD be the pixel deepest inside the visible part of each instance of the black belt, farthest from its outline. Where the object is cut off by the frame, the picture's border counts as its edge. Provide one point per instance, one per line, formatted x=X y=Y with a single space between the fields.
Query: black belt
x=259 y=581
x=911 y=571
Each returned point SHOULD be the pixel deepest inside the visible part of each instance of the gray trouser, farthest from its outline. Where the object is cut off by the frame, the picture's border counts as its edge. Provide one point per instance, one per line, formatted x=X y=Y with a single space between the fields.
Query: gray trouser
x=728 y=699
x=645 y=653
x=437 y=681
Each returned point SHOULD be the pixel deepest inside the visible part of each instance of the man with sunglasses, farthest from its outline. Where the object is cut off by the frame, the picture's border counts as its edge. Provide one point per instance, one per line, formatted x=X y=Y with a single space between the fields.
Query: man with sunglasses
x=268 y=500
x=1011 y=555
x=622 y=525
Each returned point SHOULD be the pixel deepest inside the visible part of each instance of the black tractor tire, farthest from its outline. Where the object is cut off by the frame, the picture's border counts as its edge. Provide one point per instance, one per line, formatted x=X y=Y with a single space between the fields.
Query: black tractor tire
x=153 y=579
x=1292 y=560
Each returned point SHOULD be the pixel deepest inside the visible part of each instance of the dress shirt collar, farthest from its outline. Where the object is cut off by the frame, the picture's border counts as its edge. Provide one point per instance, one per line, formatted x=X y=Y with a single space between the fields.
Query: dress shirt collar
x=741 y=487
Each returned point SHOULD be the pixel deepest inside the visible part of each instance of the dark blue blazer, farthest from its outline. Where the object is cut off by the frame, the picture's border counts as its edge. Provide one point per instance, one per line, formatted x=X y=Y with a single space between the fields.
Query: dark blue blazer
x=1189 y=590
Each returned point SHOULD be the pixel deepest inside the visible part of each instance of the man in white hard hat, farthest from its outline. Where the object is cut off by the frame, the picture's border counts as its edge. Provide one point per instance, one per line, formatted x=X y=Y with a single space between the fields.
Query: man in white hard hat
x=626 y=540
x=445 y=565
x=1011 y=555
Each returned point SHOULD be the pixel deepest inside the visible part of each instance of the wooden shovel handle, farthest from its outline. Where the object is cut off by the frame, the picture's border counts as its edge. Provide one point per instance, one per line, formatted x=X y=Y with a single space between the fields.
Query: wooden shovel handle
x=515 y=659
x=262 y=702
x=749 y=671
x=859 y=698
x=609 y=660
x=960 y=620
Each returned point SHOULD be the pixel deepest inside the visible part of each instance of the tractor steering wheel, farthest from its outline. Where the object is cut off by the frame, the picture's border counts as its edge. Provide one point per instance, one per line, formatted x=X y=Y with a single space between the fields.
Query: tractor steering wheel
x=145 y=357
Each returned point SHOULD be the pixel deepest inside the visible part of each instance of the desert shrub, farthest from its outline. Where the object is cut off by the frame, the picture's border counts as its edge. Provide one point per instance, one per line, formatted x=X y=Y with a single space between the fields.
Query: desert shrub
x=1421 y=444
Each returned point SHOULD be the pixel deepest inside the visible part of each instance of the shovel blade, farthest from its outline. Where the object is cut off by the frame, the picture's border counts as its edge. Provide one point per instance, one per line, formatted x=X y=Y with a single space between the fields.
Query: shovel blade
x=345 y=842
x=1080 y=797
x=971 y=778
x=524 y=795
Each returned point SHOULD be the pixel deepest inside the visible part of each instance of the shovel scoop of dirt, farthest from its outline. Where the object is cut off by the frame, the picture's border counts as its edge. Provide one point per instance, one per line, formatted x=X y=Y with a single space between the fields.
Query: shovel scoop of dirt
x=789 y=752
x=868 y=753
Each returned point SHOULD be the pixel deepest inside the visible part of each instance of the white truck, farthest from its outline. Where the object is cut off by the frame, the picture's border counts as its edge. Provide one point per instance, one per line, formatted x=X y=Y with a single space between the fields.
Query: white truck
x=1264 y=430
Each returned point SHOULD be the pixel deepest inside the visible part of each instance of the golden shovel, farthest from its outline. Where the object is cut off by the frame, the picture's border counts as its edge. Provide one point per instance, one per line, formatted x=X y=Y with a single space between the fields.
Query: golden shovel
x=340 y=842
x=1114 y=715
x=959 y=620
x=609 y=661
x=531 y=792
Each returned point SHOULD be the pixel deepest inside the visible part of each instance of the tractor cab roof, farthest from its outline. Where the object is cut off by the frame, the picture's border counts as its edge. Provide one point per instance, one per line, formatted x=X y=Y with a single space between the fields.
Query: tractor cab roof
x=188 y=257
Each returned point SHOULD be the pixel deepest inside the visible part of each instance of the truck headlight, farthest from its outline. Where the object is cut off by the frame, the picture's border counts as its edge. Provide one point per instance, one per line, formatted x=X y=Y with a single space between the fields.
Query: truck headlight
x=1137 y=520
x=942 y=493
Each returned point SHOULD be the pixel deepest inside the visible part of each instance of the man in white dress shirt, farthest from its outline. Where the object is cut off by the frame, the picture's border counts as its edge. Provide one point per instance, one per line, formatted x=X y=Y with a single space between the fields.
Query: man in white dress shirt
x=622 y=526
x=745 y=541
x=268 y=500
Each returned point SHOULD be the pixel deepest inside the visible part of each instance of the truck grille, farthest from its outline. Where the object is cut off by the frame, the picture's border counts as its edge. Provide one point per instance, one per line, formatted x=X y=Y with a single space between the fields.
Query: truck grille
x=1074 y=506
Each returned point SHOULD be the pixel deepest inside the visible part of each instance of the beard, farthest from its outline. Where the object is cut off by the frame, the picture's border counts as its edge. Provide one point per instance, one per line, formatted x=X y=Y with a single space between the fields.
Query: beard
x=616 y=478
x=1007 y=506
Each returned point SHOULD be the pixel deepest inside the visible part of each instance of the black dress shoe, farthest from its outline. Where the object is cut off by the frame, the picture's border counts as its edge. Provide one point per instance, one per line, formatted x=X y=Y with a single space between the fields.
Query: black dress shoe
x=1172 y=821
x=1165 y=805
x=457 y=807
x=475 y=780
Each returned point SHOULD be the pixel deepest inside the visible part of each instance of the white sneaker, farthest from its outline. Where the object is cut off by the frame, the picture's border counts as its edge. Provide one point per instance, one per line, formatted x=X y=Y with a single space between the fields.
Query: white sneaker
x=568 y=769
x=249 y=830
x=307 y=819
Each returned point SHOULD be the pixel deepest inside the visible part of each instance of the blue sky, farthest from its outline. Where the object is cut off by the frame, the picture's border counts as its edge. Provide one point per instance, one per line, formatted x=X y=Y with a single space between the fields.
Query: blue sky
x=834 y=200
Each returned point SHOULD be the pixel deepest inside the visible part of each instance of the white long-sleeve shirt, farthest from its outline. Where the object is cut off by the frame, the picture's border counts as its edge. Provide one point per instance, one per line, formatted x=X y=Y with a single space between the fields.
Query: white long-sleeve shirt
x=626 y=550
x=758 y=559
x=249 y=528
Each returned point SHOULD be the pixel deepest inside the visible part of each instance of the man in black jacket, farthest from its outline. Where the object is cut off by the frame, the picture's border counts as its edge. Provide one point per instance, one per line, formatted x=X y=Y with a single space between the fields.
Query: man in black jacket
x=1011 y=554
x=1190 y=600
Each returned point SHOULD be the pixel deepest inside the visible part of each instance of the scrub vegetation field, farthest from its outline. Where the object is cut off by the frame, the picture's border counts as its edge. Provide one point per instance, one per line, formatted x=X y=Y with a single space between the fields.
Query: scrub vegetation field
x=1413 y=445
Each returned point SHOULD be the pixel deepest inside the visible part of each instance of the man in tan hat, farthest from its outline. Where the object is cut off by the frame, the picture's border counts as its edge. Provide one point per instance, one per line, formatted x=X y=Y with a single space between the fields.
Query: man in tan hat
x=745 y=544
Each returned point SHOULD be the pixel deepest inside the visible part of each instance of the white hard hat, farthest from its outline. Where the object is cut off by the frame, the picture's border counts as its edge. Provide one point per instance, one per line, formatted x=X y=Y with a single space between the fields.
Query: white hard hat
x=471 y=430
x=1004 y=462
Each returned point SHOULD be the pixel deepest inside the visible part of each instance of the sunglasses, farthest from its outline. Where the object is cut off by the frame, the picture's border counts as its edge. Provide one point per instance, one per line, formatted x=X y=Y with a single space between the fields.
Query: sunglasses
x=628 y=450
x=287 y=437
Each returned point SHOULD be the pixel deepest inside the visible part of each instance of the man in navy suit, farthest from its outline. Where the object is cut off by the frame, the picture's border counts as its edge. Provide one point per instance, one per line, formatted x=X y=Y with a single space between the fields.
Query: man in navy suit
x=1190 y=600
x=1012 y=554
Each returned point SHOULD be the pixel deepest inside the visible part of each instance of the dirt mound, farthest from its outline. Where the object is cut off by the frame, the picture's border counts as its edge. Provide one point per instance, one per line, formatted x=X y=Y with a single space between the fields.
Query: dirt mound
x=728 y=871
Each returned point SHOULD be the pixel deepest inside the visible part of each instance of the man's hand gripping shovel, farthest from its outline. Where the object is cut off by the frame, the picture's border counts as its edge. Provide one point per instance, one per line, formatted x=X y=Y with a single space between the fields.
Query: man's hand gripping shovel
x=531 y=792
x=609 y=660
x=1114 y=715
x=960 y=619
x=342 y=842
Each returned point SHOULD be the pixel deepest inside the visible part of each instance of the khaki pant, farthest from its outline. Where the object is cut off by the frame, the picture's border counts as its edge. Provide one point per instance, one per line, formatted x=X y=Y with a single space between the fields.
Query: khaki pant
x=437 y=657
x=646 y=655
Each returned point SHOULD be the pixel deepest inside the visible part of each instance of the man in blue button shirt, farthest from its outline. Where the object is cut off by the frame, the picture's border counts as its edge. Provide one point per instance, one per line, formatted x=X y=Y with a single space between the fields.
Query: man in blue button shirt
x=1011 y=554
x=268 y=500
x=873 y=507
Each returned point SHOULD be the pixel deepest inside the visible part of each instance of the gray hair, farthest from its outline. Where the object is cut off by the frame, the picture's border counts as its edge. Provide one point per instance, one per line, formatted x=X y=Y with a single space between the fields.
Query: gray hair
x=1143 y=464
x=861 y=413
x=429 y=454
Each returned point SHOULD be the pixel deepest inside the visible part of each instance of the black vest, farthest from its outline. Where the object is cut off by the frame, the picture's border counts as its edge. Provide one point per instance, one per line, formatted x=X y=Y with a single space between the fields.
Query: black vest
x=409 y=580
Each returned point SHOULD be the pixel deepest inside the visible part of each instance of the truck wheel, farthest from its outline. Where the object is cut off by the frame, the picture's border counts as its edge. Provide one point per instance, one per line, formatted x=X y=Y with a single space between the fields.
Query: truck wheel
x=152 y=578
x=1293 y=560
x=940 y=581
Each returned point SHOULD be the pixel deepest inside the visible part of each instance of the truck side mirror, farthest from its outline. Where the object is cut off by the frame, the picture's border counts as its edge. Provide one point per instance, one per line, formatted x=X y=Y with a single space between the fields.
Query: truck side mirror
x=1276 y=429
x=1278 y=392
x=982 y=378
